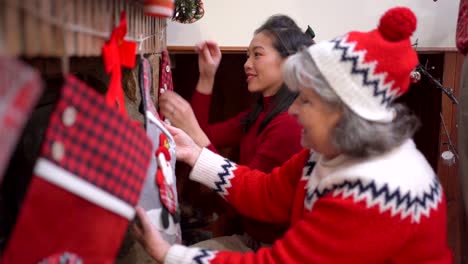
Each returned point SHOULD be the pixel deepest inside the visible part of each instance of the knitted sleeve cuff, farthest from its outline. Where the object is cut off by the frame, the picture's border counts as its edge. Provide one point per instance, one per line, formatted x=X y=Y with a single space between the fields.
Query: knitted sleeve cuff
x=211 y=168
x=178 y=254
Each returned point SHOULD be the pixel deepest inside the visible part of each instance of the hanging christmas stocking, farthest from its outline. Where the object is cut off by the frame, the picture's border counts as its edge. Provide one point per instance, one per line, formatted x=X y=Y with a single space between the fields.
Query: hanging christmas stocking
x=86 y=182
x=165 y=75
x=19 y=91
x=159 y=195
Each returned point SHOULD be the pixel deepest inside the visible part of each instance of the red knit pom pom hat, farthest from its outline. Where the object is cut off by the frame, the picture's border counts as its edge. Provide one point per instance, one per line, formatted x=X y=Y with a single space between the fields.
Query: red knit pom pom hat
x=368 y=70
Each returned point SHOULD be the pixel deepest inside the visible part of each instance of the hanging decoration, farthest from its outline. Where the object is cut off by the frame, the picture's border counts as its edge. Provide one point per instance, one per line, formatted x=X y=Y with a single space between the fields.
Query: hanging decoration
x=86 y=181
x=165 y=77
x=159 y=194
x=159 y=8
x=188 y=11
x=118 y=52
x=20 y=90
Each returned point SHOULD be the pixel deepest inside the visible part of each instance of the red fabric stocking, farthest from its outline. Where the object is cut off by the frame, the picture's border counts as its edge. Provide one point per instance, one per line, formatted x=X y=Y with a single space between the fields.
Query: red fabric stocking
x=86 y=182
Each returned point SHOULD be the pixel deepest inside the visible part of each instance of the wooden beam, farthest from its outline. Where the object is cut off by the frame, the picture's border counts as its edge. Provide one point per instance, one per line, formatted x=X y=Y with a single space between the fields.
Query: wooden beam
x=191 y=49
x=448 y=175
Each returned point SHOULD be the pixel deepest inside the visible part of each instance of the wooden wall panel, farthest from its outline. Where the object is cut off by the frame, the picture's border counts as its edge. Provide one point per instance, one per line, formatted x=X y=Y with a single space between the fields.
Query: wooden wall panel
x=449 y=175
x=51 y=28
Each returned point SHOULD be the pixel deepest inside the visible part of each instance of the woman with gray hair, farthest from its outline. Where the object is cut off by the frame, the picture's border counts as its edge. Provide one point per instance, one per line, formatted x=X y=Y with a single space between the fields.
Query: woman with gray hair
x=360 y=192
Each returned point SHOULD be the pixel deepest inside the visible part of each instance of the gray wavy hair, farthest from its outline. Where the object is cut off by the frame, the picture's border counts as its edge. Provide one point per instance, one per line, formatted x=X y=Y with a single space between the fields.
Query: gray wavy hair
x=353 y=135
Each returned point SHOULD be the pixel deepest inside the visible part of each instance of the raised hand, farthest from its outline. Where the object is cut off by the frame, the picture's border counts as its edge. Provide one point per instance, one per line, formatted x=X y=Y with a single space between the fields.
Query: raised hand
x=181 y=115
x=149 y=237
x=209 y=57
x=186 y=150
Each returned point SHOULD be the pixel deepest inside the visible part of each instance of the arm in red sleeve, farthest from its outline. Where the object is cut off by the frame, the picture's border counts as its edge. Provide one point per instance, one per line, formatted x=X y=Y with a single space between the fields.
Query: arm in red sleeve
x=250 y=190
x=280 y=140
x=338 y=230
x=222 y=134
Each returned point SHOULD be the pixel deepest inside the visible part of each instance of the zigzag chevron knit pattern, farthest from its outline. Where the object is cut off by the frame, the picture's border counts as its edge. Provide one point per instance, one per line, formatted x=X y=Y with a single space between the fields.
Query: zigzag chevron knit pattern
x=402 y=203
x=384 y=209
x=204 y=256
x=366 y=70
x=225 y=176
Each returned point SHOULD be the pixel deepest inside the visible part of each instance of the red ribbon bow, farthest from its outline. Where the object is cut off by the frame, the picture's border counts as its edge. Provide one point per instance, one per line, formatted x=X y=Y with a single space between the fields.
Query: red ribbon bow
x=118 y=52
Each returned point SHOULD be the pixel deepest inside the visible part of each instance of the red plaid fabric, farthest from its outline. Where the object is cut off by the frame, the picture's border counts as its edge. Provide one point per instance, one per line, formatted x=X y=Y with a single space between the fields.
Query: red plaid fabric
x=165 y=74
x=145 y=87
x=104 y=148
x=20 y=88
x=163 y=174
x=166 y=193
x=87 y=179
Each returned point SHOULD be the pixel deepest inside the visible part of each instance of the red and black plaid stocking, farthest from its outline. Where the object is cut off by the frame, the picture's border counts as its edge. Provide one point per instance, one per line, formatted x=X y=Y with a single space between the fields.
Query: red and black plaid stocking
x=86 y=182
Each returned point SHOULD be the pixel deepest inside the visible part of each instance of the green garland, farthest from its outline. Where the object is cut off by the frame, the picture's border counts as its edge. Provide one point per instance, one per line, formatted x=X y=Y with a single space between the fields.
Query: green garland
x=188 y=11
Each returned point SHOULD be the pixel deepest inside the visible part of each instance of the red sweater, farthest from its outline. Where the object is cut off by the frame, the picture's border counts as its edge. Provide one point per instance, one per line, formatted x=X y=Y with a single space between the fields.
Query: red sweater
x=384 y=209
x=277 y=142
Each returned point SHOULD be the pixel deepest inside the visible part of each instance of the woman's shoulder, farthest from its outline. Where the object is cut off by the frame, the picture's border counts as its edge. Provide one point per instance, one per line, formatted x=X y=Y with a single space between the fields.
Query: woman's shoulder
x=283 y=118
x=284 y=121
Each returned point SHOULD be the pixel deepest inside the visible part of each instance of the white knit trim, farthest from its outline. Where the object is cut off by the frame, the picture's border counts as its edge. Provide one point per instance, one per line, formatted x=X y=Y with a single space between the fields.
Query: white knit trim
x=213 y=171
x=178 y=254
x=349 y=87
x=410 y=189
x=308 y=168
x=432 y=197
x=76 y=185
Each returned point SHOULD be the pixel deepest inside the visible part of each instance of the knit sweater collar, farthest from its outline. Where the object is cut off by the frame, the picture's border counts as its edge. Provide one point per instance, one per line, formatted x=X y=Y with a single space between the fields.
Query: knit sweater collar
x=267 y=101
x=334 y=162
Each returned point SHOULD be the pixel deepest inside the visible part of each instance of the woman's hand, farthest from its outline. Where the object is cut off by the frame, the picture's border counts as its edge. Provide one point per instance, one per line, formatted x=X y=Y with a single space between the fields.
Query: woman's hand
x=186 y=150
x=149 y=237
x=181 y=115
x=209 y=57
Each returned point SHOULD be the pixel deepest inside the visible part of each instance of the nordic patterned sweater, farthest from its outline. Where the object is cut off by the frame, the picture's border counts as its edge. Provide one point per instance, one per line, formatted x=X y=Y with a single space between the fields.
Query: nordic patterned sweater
x=387 y=209
x=263 y=151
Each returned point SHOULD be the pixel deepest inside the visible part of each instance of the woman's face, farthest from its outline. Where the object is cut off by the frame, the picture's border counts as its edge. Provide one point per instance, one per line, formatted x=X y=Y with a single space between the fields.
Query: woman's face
x=263 y=66
x=318 y=121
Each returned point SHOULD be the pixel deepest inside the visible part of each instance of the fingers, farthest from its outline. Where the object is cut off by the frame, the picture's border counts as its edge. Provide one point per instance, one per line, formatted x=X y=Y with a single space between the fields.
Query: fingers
x=206 y=54
x=136 y=230
x=170 y=97
x=213 y=47
x=173 y=130
x=143 y=218
x=208 y=51
x=199 y=46
x=170 y=103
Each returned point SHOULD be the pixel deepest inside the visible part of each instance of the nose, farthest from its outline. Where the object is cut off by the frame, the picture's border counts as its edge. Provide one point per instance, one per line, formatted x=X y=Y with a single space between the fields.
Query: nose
x=247 y=64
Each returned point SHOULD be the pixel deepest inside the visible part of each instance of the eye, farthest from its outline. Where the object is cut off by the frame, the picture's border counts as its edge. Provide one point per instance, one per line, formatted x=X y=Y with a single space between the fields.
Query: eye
x=303 y=100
